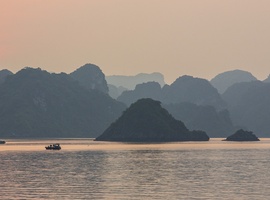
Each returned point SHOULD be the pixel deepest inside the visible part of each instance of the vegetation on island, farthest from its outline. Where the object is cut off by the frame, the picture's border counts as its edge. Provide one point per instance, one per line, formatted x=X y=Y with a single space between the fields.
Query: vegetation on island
x=91 y=77
x=146 y=121
x=35 y=103
x=242 y=135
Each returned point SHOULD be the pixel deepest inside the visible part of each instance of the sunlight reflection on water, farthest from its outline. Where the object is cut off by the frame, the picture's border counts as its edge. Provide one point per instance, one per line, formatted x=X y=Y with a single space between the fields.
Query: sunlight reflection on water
x=85 y=169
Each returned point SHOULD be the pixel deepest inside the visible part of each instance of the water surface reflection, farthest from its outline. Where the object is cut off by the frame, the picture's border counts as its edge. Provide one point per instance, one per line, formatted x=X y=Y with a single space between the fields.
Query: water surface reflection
x=87 y=170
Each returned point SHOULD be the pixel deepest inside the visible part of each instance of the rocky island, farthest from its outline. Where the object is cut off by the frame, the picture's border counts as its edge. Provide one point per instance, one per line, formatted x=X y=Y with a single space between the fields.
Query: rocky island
x=146 y=121
x=242 y=135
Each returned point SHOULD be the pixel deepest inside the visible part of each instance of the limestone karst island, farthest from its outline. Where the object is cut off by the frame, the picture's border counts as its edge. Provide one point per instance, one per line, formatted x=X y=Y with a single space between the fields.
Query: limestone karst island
x=146 y=121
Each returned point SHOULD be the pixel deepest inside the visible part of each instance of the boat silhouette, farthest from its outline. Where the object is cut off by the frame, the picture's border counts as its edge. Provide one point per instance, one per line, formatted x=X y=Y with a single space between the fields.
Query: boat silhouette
x=53 y=147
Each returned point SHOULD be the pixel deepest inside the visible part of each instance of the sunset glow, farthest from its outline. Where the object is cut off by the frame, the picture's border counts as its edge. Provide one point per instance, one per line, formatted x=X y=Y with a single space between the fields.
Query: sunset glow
x=199 y=38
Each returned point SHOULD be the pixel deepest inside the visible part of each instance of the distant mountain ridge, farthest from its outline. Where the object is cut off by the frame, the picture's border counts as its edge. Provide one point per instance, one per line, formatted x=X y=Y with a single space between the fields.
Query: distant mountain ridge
x=183 y=89
x=206 y=118
x=224 y=80
x=144 y=90
x=115 y=92
x=248 y=104
x=35 y=103
x=130 y=82
x=191 y=100
x=190 y=89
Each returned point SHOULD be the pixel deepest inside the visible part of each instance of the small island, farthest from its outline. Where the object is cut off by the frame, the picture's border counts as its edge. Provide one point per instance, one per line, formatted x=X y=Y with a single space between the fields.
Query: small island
x=146 y=121
x=242 y=136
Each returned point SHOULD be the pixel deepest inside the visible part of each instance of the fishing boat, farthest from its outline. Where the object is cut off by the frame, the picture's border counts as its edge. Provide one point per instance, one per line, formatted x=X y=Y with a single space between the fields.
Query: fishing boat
x=53 y=147
x=2 y=142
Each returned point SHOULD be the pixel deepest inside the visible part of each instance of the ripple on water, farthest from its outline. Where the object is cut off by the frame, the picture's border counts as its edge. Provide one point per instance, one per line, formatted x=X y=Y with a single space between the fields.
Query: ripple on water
x=150 y=173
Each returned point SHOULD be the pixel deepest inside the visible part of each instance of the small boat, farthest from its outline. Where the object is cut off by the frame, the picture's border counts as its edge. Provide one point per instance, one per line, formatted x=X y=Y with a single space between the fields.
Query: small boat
x=2 y=142
x=53 y=147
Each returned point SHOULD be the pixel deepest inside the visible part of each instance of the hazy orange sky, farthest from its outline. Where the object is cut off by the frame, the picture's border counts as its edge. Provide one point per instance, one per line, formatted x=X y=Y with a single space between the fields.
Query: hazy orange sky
x=175 y=37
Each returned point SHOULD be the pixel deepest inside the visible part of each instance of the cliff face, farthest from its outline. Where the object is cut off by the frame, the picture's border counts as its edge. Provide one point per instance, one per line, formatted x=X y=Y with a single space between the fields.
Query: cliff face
x=4 y=74
x=35 y=103
x=248 y=104
x=194 y=90
x=206 y=118
x=146 y=121
x=91 y=77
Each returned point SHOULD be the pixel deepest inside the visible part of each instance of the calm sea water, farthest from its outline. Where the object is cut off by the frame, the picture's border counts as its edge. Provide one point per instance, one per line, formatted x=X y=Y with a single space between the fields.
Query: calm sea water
x=85 y=169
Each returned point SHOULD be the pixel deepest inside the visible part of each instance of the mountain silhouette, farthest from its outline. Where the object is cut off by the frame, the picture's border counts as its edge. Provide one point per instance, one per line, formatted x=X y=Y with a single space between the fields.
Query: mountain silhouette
x=130 y=82
x=267 y=80
x=206 y=118
x=91 y=77
x=226 y=79
x=145 y=90
x=115 y=92
x=146 y=121
x=184 y=89
x=242 y=135
x=190 y=100
x=3 y=74
x=194 y=90
x=35 y=103
x=248 y=104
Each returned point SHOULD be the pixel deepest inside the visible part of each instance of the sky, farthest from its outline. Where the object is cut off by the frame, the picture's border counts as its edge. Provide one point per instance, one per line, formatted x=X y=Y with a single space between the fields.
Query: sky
x=201 y=38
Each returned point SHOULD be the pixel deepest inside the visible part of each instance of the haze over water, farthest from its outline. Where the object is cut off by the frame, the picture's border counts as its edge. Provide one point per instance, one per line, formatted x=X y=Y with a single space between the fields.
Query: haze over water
x=85 y=169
